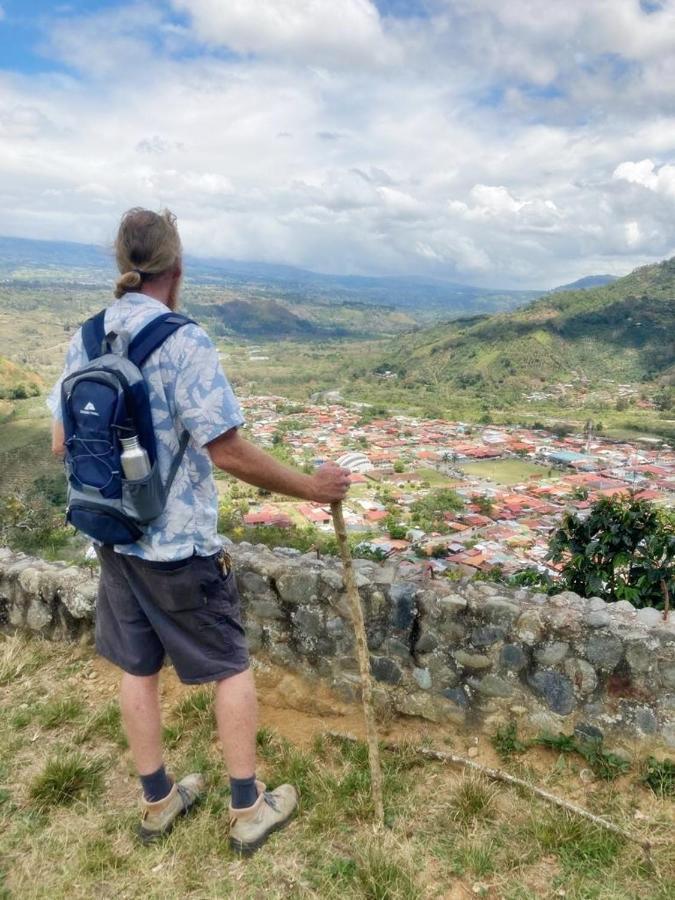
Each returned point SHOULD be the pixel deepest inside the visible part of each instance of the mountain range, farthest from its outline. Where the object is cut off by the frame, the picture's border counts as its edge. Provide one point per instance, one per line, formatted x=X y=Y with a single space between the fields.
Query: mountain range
x=421 y=298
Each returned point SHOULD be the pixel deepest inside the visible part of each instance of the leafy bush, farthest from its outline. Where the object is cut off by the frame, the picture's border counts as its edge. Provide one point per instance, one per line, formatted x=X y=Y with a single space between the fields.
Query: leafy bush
x=659 y=775
x=624 y=550
x=605 y=765
x=51 y=488
x=32 y=525
x=533 y=578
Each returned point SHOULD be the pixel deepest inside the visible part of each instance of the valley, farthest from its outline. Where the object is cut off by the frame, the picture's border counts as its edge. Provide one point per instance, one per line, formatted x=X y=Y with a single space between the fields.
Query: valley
x=509 y=419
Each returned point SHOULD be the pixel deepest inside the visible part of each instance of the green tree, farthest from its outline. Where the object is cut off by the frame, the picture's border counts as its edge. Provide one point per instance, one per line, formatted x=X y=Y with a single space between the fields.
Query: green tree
x=484 y=503
x=396 y=531
x=428 y=512
x=399 y=466
x=665 y=399
x=623 y=550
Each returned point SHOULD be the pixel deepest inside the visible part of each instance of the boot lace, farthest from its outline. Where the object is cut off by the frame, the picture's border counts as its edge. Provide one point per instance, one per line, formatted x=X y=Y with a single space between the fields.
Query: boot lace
x=271 y=800
x=185 y=795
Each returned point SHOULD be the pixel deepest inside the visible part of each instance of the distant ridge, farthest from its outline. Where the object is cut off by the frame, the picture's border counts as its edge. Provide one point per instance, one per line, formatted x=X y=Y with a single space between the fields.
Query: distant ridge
x=424 y=298
x=622 y=332
x=584 y=284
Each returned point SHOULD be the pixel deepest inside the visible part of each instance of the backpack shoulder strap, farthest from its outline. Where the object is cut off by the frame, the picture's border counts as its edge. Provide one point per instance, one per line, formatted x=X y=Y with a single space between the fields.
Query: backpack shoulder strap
x=148 y=339
x=153 y=335
x=93 y=336
x=184 y=440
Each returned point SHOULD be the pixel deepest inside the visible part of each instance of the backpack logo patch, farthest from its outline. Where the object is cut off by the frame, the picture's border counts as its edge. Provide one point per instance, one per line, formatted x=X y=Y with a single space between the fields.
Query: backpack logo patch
x=89 y=410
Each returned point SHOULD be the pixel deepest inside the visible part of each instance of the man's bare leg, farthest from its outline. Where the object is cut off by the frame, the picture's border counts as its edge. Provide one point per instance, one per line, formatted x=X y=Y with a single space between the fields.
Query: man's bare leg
x=164 y=802
x=252 y=817
x=237 y=717
x=139 y=702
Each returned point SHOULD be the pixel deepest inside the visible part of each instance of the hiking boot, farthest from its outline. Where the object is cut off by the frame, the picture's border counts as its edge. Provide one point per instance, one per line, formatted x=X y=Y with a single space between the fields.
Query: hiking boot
x=159 y=817
x=250 y=827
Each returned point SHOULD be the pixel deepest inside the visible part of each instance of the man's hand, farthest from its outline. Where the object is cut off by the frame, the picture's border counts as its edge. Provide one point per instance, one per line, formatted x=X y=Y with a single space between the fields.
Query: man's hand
x=330 y=482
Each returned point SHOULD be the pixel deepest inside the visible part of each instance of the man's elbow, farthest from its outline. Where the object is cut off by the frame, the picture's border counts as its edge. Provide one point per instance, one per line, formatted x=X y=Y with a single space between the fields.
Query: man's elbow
x=225 y=450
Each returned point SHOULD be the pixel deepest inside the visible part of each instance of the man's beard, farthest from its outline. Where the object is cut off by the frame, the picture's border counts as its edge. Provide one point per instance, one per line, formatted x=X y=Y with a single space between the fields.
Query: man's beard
x=174 y=295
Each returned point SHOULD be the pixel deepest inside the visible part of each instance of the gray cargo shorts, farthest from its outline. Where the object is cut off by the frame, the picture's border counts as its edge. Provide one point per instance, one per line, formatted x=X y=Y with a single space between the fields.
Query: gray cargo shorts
x=187 y=610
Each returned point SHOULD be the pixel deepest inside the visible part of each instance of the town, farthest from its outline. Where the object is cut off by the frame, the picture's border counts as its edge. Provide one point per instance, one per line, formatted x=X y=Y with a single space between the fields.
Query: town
x=447 y=495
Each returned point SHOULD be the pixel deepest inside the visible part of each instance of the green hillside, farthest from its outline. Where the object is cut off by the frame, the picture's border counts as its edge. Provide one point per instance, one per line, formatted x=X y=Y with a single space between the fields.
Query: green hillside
x=17 y=382
x=621 y=332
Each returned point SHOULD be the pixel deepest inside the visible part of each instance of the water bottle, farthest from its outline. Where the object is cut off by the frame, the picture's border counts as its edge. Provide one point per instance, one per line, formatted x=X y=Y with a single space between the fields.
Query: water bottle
x=134 y=459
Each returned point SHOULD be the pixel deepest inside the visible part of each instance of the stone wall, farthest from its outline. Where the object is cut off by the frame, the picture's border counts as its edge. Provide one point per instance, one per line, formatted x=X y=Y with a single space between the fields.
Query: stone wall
x=466 y=652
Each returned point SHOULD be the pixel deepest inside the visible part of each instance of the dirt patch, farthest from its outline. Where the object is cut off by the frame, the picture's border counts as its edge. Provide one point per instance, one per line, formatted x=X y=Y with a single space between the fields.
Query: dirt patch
x=296 y=707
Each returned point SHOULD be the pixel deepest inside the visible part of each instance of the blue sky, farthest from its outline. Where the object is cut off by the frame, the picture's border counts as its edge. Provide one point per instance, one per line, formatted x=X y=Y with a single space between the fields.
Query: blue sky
x=525 y=143
x=23 y=25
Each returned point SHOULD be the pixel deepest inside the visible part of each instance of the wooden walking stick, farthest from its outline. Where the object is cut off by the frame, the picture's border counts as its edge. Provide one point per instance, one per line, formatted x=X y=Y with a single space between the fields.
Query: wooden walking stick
x=364 y=661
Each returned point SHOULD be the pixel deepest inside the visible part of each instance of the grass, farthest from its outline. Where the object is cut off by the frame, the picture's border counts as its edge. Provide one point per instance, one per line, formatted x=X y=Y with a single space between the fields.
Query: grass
x=105 y=723
x=382 y=875
x=473 y=799
x=191 y=716
x=60 y=711
x=435 y=478
x=577 y=844
x=67 y=778
x=607 y=766
x=506 y=741
x=504 y=471
x=20 y=657
x=69 y=808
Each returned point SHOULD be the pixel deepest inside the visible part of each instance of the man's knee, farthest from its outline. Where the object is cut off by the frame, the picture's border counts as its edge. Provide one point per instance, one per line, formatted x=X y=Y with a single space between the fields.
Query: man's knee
x=139 y=683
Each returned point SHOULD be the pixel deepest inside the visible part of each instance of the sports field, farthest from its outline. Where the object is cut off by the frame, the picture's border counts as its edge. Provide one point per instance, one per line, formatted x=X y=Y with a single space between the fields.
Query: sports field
x=504 y=471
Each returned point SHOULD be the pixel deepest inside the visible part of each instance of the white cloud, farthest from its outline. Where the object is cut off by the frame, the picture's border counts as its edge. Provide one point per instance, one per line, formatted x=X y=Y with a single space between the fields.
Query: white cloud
x=638 y=173
x=488 y=142
x=2 y=13
x=633 y=234
x=661 y=180
x=310 y=31
x=494 y=201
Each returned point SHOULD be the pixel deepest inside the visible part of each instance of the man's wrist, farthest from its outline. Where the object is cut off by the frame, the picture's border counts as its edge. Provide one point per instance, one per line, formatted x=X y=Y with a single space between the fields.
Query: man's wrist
x=308 y=487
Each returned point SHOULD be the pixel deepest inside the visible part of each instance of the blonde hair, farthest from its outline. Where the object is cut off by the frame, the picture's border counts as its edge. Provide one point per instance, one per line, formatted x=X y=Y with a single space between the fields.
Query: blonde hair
x=147 y=246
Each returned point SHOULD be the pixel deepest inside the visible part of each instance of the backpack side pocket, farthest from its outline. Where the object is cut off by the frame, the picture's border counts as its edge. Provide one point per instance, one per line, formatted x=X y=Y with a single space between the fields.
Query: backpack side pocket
x=144 y=499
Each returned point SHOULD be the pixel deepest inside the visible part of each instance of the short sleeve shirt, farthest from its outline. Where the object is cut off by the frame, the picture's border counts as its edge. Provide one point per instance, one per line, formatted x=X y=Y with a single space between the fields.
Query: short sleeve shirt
x=188 y=391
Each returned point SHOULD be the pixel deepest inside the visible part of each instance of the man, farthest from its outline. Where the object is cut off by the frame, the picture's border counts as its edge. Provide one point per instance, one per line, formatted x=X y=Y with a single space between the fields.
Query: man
x=151 y=599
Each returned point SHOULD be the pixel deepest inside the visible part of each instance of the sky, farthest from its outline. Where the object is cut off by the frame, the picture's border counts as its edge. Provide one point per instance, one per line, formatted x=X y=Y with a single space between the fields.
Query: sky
x=516 y=144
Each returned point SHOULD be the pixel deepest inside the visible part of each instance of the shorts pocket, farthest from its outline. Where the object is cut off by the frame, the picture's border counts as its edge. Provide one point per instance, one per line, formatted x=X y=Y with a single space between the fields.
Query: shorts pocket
x=221 y=603
x=175 y=590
